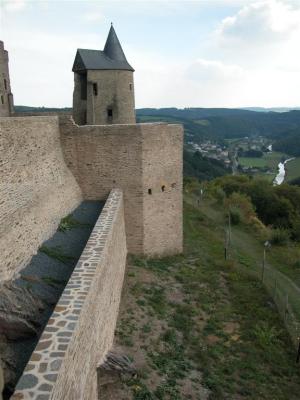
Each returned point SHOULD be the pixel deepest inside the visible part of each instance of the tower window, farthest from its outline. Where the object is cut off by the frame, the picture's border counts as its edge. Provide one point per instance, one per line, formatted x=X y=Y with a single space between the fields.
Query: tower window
x=83 y=87
x=149 y=191
x=130 y=86
x=109 y=112
x=95 y=89
x=2 y=100
x=163 y=188
x=5 y=84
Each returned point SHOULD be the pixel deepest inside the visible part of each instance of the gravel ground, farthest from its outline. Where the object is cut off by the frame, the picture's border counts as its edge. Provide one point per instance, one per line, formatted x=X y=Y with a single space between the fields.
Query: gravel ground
x=46 y=275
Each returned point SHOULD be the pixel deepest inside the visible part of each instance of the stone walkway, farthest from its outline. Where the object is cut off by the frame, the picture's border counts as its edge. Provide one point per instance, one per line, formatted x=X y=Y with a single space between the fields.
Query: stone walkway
x=44 y=279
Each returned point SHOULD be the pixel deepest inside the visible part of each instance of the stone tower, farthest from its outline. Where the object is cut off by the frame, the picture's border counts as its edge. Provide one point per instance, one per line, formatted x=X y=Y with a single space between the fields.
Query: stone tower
x=6 y=97
x=103 y=85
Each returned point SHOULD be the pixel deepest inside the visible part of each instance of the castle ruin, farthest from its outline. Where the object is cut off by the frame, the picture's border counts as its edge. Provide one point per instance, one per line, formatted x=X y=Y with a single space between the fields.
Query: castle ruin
x=6 y=97
x=51 y=164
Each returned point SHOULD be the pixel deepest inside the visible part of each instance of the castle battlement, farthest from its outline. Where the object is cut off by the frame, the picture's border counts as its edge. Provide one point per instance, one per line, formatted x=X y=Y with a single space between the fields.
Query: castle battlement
x=6 y=97
x=50 y=164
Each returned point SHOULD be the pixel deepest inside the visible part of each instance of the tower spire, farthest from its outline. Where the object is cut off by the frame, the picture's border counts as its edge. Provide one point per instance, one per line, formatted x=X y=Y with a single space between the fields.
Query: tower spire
x=113 y=48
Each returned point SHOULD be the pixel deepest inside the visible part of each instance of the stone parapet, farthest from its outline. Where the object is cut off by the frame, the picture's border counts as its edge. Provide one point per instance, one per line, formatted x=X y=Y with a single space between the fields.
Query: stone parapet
x=36 y=188
x=145 y=161
x=80 y=331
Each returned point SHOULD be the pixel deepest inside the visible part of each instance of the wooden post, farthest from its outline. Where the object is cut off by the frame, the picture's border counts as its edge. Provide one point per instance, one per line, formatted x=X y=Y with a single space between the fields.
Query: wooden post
x=263 y=266
x=229 y=228
x=298 y=352
x=226 y=245
x=286 y=307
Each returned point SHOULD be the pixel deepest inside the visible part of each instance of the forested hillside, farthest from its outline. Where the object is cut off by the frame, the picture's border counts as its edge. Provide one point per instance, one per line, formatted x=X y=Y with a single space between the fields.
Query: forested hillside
x=289 y=142
x=227 y=123
x=205 y=169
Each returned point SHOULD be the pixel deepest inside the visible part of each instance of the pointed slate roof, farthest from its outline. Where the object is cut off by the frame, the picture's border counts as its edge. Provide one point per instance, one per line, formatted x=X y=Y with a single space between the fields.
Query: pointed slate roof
x=112 y=57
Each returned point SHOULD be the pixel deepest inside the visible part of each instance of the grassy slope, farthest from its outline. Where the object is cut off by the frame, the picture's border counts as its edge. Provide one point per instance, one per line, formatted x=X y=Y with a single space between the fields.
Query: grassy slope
x=293 y=169
x=194 y=322
x=270 y=160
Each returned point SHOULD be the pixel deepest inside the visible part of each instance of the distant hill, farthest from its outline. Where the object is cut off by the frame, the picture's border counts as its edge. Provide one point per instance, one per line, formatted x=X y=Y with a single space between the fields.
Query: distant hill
x=289 y=142
x=222 y=123
x=212 y=123
x=203 y=168
x=274 y=109
x=30 y=109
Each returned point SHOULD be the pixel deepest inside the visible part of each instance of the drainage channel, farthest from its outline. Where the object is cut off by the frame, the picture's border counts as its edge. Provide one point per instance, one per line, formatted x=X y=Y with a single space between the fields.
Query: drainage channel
x=27 y=302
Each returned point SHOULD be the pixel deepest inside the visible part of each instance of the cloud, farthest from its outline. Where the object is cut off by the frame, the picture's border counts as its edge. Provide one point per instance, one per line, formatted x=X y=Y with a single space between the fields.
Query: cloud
x=14 y=5
x=93 y=16
x=203 y=69
x=261 y=23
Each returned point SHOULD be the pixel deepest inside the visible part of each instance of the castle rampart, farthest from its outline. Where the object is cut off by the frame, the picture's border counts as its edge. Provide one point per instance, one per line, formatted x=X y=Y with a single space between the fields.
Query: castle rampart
x=145 y=161
x=36 y=188
x=81 y=329
x=6 y=97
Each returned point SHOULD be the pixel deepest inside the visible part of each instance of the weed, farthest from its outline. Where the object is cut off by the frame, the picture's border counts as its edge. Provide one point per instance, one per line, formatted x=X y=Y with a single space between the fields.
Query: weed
x=156 y=298
x=57 y=254
x=69 y=222
x=265 y=335
x=53 y=282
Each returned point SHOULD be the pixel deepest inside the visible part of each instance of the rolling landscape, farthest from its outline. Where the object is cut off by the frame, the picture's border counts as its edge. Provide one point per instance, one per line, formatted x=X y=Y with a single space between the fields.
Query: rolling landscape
x=150 y=200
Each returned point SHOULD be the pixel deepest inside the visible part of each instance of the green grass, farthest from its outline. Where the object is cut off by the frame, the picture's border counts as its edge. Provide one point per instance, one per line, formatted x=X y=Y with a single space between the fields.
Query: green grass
x=293 y=169
x=52 y=281
x=197 y=319
x=69 y=222
x=269 y=160
x=253 y=162
x=56 y=253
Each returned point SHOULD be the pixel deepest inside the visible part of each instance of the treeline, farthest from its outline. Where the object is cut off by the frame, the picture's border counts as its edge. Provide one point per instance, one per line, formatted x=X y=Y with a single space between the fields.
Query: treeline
x=216 y=123
x=276 y=206
x=202 y=168
x=289 y=142
x=30 y=109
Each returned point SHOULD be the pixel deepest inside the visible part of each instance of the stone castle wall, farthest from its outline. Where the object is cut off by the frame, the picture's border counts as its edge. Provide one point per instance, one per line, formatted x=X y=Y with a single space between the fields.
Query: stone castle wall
x=80 y=331
x=136 y=158
x=36 y=188
x=114 y=90
x=6 y=97
x=162 y=175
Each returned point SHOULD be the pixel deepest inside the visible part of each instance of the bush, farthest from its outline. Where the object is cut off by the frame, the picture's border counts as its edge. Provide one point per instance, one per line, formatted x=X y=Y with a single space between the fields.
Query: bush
x=235 y=215
x=241 y=202
x=259 y=228
x=219 y=195
x=279 y=236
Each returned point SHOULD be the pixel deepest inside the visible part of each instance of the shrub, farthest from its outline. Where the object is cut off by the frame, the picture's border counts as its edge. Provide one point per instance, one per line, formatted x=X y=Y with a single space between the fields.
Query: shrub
x=242 y=203
x=219 y=195
x=279 y=236
x=260 y=229
x=235 y=215
x=266 y=335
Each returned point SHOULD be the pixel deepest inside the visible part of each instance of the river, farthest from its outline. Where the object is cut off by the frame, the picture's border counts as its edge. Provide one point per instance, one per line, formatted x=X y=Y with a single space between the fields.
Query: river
x=281 y=172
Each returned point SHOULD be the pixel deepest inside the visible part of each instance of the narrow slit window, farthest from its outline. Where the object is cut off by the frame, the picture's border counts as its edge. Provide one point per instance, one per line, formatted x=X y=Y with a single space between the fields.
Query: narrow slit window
x=2 y=100
x=149 y=191
x=163 y=188
x=130 y=86
x=5 y=84
x=95 y=89
x=109 y=112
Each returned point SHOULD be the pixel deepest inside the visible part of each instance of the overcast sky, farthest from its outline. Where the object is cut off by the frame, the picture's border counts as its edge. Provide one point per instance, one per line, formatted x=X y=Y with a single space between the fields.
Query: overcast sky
x=201 y=53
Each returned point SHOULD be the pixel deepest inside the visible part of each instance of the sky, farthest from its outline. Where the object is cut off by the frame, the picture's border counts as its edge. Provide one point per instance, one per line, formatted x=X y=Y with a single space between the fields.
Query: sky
x=200 y=53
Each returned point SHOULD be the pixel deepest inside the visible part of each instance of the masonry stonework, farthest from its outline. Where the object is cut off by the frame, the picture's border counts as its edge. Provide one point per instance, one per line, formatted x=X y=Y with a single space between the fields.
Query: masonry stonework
x=36 y=188
x=140 y=159
x=103 y=85
x=50 y=164
x=81 y=329
x=6 y=97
